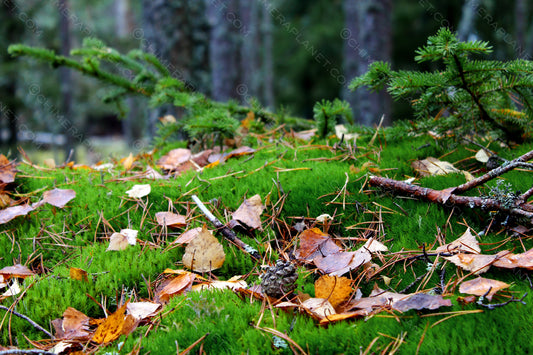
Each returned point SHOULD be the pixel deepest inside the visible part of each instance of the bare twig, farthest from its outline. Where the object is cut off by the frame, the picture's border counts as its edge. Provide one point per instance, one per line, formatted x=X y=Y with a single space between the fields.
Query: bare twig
x=496 y=305
x=35 y=325
x=226 y=232
x=25 y=352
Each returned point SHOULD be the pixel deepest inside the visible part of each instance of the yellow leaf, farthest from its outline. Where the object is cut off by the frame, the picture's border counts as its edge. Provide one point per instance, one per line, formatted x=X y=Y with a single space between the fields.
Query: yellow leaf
x=111 y=328
x=128 y=162
x=336 y=289
x=78 y=274
x=204 y=253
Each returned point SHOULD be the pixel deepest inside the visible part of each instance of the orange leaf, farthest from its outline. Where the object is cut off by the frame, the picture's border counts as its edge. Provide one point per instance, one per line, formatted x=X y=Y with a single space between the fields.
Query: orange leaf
x=480 y=286
x=7 y=170
x=249 y=212
x=111 y=328
x=176 y=286
x=78 y=274
x=173 y=159
x=75 y=324
x=170 y=219
x=314 y=243
x=333 y=288
x=127 y=162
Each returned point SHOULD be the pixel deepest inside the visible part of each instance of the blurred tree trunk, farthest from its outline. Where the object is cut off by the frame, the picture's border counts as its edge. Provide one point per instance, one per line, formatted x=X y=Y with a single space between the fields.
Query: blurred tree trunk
x=10 y=31
x=268 y=62
x=65 y=79
x=367 y=38
x=176 y=32
x=224 y=51
x=520 y=17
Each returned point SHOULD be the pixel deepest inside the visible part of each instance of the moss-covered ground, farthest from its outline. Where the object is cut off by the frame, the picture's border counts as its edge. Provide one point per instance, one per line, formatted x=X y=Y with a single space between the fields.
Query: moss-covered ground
x=313 y=179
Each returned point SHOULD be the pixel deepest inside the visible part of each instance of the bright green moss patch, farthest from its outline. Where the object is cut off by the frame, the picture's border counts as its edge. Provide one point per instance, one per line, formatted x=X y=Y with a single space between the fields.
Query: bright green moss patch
x=300 y=182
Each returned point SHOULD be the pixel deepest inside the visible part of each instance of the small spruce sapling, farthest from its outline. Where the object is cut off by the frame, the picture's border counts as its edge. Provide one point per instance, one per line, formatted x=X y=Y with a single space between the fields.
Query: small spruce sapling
x=464 y=96
x=327 y=114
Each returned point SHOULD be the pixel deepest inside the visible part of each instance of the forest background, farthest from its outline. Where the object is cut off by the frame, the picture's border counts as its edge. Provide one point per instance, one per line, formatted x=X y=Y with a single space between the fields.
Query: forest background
x=286 y=54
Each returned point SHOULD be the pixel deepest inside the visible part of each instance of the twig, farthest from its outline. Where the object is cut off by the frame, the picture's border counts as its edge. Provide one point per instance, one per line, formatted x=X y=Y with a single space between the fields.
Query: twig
x=496 y=305
x=494 y=173
x=226 y=232
x=413 y=283
x=25 y=352
x=35 y=325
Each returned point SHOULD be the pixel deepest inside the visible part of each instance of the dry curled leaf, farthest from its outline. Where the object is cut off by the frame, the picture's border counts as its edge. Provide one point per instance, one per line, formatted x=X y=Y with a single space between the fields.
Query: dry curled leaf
x=481 y=286
x=204 y=253
x=75 y=325
x=58 y=197
x=10 y=213
x=188 y=236
x=173 y=159
x=477 y=263
x=314 y=243
x=142 y=310
x=120 y=241
x=7 y=170
x=170 y=219
x=177 y=286
x=467 y=243
x=339 y=263
x=249 y=212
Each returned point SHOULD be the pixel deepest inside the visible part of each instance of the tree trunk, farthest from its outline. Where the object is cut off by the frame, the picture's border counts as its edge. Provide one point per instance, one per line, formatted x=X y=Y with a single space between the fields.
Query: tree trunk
x=268 y=63
x=176 y=32
x=367 y=38
x=520 y=16
x=466 y=27
x=65 y=79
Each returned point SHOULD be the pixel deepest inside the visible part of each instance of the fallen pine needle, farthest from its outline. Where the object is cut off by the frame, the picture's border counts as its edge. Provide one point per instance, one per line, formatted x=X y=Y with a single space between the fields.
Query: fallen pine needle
x=282 y=336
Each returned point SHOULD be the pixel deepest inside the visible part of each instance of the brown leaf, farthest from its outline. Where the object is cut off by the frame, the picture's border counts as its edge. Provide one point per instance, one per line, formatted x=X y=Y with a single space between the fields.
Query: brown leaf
x=480 y=286
x=319 y=308
x=333 y=288
x=339 y=263
x=16 y=271
x=75 y=324
x=433 y=166
x=7 y=170
x=78 y=274
x=477 y=263
x=111 y=328
x=244 y=150
x=58 y=197
x=177 y=286
x=202 y=158
x=170 y=219
x=421 y=301
x=173 y=159
x=204 y=253
x=249 y=212
x=343 y=316
x=188 y=236
x=127 y=162
x=315 y=243
x=510 y=261
x=10 y=213
x=467 y=243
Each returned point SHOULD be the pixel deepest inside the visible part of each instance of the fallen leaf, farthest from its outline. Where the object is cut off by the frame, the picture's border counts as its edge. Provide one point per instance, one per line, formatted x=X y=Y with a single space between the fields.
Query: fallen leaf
x=482 y=156
x=131 y=235
x=111 y=328
x=173 y=159
x=333 y=288
x=480 y=286
x=188 y=236
x=75 y=324
x=343 y=316
x=127 y=163
x=314 y=243
x=16 y=271
x=78 y=274
x=204 y=253
x=177 y=286
x=5 y=200
x=467 y=243
x=244 y=150
x=373 y=246
x=305 y=135
x=151 y=173
x=118 y=241
x=138 y=191
x=510 y=261
x=318 y=307
x=170 y=219
x=7 y=170
x=58 y=197
x=10 y=213
x=341 y=130
x=339 y=263
x=249 y=212
x=421 y=301
x=477 y=263
x=220 y=285
x=142 y=310
x=433 y=166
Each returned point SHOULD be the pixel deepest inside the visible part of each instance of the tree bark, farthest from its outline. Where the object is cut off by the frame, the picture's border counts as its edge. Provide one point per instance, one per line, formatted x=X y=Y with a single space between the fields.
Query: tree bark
x=367 y=38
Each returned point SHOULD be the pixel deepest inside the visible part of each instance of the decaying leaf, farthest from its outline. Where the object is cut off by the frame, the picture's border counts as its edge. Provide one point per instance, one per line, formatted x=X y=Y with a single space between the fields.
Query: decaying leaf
x=477 y=263
x=17 y=270
x=58 y=197
x=188 y=236
x=75 y=325
x=177 y=286
x=467 y=243
x=481 y=286
x=482 y=156
x=7 y=170
x=249 y=212
x=204 y=253
x=233 y=284
x=318 y=307
x=433 y=166
x=373 y=246
x=510 y=261
x=421 y=301
x=5 y=200
x=127 y=162
x=112 y=327
x=170 y=219
x=138 y=191
x=120 y=241
x=78 y=274
x=314 y=243
x=173 y=159
x=244 y=150
x=142 y=310
x=305 y=135
x=333 y=288
x=10 y=213
x=339 y=263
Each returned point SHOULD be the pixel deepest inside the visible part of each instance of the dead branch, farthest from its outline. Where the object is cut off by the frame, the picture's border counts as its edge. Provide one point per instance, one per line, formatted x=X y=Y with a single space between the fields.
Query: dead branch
x=35 y=325
x=226 y=232
x=25 y=352
x=446 y=196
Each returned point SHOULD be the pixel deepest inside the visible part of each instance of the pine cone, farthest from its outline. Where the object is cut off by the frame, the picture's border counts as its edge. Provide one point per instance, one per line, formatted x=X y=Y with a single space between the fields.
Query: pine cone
x=279 y=280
